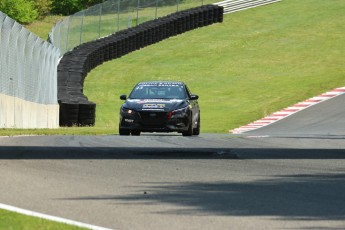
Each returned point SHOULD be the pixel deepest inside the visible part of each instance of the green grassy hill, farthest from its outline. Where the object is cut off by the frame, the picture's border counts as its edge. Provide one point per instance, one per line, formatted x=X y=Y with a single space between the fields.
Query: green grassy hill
x=256 y=62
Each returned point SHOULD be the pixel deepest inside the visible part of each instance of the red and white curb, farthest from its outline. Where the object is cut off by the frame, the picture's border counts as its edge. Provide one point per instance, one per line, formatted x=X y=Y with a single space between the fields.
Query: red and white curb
x=51 y=218
x=274 y=117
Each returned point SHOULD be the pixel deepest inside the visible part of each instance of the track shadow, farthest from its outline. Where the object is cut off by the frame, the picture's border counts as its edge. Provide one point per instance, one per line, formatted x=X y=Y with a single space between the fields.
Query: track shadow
x=291 y=197
x=15 y=152
x=29 y=152
x=32 y=152
x=284 y=153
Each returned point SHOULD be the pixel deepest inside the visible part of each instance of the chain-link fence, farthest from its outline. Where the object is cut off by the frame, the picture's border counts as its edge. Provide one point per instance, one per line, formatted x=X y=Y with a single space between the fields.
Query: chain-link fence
x=28 y=71
x=111 y=16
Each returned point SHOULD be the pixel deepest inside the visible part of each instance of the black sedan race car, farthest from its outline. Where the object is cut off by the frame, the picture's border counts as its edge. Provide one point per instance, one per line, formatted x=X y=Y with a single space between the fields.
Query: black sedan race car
x=160 y=106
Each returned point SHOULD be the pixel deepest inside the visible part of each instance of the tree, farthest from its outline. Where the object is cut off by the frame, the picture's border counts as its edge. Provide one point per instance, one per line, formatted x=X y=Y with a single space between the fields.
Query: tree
x=23 y=11
x=88 y=3
x=43 y=7
x=66 y=7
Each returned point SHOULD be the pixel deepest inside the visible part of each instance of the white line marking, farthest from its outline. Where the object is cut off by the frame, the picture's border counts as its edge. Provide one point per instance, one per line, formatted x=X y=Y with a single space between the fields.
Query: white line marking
x=288 y=111
x=51 y=218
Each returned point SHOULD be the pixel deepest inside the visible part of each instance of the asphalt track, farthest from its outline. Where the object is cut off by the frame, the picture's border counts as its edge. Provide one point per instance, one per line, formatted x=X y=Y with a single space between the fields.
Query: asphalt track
x=289 y=175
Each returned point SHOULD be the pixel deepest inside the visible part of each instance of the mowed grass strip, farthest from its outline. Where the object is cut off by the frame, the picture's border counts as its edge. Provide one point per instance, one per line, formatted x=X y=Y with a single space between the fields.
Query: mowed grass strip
x=254 y=63
x=15 y=221
x=42 y=27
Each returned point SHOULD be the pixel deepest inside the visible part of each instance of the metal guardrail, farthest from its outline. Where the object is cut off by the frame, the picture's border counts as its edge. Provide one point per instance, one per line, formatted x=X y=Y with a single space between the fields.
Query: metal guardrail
x=231 y=6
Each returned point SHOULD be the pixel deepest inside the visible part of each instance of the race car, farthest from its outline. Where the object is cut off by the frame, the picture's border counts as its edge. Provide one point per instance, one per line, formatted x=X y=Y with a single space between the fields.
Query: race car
x=160 y=106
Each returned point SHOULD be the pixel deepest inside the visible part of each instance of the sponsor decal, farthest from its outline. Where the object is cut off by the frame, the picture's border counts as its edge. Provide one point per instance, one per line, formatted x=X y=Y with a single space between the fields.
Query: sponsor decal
x=152 y=109
x=149 y=100
x=153 y=106
x=160 y=84
x=155 y=101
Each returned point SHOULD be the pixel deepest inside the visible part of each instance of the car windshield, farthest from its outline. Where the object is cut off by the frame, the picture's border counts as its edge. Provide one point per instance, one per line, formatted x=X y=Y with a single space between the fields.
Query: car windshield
x=170 y=91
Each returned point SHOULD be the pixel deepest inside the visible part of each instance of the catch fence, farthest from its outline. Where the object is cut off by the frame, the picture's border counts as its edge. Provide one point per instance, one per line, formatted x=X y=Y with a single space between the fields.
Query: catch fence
x=28 y=73
x=112 y=16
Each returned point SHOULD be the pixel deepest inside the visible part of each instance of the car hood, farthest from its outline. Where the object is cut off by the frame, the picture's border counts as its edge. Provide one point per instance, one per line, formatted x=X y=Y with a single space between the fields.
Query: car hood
x=165 y=105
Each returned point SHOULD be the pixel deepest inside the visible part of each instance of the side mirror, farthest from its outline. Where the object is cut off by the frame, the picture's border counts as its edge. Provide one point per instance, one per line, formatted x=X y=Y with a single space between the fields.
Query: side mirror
x=194 y=97
x=123 y=97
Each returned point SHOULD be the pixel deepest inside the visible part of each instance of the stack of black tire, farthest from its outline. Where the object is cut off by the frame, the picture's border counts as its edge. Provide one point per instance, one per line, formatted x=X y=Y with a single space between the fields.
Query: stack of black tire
x=75 y=108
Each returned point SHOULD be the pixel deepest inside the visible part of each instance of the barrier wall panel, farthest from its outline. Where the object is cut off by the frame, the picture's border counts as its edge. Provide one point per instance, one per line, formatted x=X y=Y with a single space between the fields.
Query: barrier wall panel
x=18 y=113
x=28 y=76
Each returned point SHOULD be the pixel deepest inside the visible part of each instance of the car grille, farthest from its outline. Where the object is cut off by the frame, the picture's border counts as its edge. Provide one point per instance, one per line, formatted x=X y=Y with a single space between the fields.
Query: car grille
x=153 y=118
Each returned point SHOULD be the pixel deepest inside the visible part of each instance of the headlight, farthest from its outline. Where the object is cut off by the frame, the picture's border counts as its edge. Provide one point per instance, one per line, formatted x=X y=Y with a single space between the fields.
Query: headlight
x=178 y=113
x=127 y=111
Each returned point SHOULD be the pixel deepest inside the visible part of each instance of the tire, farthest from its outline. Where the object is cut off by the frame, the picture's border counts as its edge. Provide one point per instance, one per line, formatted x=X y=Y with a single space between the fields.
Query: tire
x=135 y=133
x=189 y=132
x=123 y=132
x=196 y=131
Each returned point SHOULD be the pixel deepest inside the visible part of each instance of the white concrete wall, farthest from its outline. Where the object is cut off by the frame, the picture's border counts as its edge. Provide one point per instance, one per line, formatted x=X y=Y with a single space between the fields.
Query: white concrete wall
x=21 y=114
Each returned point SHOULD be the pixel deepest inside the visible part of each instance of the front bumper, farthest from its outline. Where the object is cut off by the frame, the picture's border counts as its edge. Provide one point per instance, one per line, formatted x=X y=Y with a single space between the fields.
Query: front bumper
x=152 y=121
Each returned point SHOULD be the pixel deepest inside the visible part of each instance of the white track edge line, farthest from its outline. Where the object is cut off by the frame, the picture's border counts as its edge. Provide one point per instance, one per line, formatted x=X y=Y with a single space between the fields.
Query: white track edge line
x=241 y=130
x=51 y=218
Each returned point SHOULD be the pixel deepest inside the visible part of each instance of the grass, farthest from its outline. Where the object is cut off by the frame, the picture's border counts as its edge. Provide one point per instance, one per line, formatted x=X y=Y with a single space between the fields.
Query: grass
x=254 y=63
x=14 y=221
x=42 y=27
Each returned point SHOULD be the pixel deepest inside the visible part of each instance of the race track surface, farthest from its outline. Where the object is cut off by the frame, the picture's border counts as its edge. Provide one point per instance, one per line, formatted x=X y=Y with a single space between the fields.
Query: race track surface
x=324 y=119
x=289 y=175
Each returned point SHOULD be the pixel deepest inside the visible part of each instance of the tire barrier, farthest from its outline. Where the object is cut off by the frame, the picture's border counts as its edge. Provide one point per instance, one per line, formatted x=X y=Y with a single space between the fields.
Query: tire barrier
x=75 y=109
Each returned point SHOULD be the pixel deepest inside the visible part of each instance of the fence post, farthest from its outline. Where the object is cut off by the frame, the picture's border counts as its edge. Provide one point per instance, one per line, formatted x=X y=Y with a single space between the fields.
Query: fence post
x=156 y=9
x=67 y=37
x=177 y=5
x=81 y=27
x=14 y=102
x=118 y=15
x=100 y=20
x=138 y=12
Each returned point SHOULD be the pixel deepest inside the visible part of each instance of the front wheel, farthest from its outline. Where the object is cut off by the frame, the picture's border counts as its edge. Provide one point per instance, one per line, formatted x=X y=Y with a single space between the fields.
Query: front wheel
x=123 y=132
x=135 y=133
x=189 y=132
x=196 y=131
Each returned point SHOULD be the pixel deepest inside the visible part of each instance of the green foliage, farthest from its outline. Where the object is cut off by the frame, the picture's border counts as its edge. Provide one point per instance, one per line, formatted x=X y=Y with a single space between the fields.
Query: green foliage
x=66 y=7
x=26 y=11
x=43 y=7
x=88 y=3
x=23 y=11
